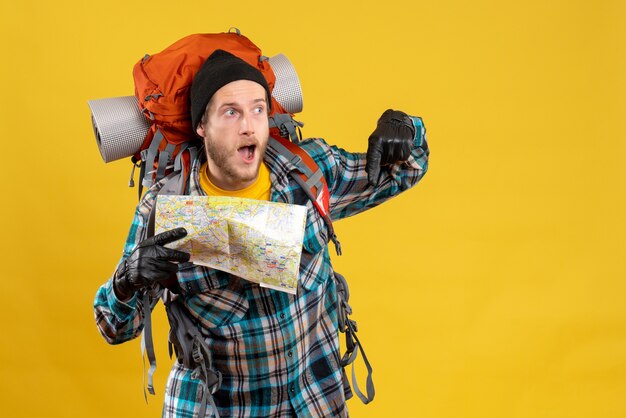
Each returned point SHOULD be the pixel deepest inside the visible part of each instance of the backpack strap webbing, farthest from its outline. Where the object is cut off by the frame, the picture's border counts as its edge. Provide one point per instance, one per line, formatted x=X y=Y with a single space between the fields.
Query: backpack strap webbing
x=149 y=157
x=287 y=126
x=173 y=158
x=165 y=157
x=353 y=345
x=147 y=346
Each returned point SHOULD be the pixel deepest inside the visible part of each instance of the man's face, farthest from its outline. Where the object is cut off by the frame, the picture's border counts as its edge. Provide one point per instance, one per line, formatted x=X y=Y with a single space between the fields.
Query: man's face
x=235 y=134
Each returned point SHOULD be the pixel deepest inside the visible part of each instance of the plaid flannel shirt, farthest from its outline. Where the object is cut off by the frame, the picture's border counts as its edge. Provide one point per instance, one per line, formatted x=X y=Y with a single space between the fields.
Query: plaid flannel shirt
x=278 y=353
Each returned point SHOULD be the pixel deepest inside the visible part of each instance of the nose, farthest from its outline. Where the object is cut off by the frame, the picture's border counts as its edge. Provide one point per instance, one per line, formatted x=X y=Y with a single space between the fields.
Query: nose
x=246 y=127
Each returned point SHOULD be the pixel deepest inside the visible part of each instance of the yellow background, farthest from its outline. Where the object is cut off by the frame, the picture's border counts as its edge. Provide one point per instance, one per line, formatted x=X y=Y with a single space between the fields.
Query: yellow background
x=494 y=289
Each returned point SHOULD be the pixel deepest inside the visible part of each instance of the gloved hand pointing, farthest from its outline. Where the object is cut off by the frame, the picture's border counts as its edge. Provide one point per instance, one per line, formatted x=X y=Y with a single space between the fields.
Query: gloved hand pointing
x=390 y=143
x=150 y=262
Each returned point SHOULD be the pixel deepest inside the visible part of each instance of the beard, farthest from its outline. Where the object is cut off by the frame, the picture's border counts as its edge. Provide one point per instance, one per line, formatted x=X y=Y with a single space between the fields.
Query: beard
x=222 y=159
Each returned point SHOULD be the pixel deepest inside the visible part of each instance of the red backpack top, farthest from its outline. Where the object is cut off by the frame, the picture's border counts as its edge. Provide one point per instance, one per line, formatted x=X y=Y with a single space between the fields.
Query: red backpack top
x=162 y=86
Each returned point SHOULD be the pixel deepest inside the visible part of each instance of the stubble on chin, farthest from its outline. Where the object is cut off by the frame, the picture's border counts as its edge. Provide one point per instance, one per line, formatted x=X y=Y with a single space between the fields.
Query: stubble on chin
x=220 y=159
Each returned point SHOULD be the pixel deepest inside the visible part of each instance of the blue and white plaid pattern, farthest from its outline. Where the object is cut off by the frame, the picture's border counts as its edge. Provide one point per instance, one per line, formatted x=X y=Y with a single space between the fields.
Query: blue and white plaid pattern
x=278 y=353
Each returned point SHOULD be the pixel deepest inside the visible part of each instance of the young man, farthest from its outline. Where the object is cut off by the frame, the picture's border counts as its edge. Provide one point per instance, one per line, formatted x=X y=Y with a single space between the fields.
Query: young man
x=278 y=353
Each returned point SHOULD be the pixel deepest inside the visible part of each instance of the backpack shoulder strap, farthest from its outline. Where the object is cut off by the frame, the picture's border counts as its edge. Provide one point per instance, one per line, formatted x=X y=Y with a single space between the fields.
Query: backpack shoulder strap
x=184 y=337
x=312 y=181
x=147 y=344
x=173 y=184
x=310 y=178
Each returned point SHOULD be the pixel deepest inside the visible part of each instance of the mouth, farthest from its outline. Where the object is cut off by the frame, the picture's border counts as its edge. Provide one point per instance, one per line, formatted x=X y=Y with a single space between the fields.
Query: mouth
x=247 y=152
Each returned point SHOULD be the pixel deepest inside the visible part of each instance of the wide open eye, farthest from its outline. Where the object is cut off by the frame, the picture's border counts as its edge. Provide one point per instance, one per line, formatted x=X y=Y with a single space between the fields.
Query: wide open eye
x=259 y=110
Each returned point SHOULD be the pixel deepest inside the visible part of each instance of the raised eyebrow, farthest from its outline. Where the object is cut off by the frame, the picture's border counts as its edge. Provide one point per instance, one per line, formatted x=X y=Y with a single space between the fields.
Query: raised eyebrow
x=229 y=104
x=235 y=104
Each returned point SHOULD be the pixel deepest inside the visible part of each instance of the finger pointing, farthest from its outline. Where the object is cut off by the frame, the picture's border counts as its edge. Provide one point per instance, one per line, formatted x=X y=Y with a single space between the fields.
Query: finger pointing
x=170 y=236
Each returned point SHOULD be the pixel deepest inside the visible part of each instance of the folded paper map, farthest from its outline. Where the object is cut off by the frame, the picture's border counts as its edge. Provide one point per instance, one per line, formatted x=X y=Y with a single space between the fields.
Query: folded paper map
x=257 y=240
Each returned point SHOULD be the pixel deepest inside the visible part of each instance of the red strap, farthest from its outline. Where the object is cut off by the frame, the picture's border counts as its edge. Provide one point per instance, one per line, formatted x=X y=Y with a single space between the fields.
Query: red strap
x=322 y=197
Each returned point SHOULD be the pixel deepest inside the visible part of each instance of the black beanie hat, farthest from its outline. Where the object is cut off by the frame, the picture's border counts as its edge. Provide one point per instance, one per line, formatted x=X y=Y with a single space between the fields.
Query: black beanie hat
x=218 y=70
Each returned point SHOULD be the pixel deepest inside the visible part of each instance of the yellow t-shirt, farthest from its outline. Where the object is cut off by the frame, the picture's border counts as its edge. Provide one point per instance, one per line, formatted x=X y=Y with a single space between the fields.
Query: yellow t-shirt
x=259 y=190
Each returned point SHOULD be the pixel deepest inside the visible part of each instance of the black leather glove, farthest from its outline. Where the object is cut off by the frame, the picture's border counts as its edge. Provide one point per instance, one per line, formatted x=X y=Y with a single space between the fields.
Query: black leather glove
x=390 y=143
x=150 y=263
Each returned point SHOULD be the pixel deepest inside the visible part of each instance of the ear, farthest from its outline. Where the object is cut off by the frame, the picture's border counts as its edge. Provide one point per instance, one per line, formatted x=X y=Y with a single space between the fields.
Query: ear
x=200 y=130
